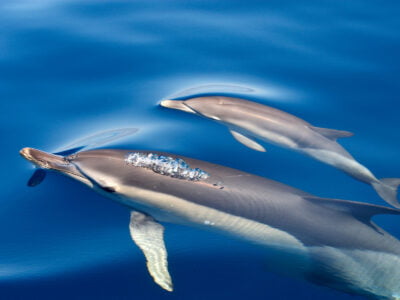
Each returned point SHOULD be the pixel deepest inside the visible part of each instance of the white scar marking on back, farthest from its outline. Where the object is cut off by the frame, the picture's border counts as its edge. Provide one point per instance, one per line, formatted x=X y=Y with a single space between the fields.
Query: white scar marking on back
x=166 y=165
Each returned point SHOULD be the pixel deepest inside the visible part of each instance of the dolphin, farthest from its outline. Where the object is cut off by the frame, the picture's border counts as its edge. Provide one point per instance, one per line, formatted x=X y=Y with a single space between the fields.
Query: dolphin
x=249 y=120
x=329 y=242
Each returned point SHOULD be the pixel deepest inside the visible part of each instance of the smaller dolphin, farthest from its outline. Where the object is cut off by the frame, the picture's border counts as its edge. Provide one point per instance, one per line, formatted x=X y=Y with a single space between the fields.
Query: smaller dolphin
x=248 y=120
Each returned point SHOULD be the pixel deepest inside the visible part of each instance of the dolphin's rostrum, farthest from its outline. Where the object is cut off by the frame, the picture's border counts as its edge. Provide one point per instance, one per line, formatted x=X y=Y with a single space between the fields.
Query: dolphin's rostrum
x=326 y=241
x=249 y=120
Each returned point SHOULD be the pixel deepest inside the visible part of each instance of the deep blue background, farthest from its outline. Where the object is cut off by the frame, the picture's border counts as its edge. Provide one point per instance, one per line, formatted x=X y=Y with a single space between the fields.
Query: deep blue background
x=70 y=69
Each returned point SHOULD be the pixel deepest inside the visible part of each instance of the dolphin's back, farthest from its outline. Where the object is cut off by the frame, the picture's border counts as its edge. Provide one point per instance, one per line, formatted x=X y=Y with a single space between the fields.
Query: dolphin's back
x=258 y=110
x=342 y=248
x=312 y=220
x=347 y=250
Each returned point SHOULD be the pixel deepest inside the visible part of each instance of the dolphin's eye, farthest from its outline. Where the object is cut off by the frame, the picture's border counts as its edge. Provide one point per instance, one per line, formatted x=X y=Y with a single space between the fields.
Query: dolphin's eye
x=108 y=189
x=165 y=165
x=70 y=158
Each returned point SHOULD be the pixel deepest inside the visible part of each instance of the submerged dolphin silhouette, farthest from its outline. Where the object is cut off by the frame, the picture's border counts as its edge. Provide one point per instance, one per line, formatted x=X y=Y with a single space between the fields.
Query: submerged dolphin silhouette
x=248 y=120
x=326 y=241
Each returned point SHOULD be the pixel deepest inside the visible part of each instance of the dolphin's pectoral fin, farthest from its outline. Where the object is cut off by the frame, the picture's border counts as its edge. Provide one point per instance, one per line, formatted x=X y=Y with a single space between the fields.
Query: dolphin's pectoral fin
x=37 y=177
x=245 y=140
x=332 y=134
x=362 y=211
x=148 y=235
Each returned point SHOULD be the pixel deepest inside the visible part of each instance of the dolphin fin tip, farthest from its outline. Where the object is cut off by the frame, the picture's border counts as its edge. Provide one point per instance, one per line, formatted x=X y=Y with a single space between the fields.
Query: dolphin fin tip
x=248 y=142
x=387 y=189
x=332 y=134
x=363 y=210
x=148 y=235
x=36 y=178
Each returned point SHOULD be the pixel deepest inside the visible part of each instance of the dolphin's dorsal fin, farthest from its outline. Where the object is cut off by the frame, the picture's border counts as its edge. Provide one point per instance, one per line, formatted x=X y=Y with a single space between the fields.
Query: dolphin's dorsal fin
x=332 y=134
x=148 y=235
x=362 y=211
x=69 y=151
x=248 y=142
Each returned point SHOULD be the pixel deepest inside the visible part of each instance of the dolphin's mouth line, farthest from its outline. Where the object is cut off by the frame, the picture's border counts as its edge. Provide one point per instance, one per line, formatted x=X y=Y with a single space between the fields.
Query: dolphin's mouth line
x=194 y=111
x=190 y=108
x=178 y=105
x=75 y=174
x=65 y=171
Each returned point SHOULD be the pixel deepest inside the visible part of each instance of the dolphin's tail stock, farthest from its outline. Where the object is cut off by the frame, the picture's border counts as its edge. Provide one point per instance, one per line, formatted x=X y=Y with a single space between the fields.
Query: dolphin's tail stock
x=387 y=188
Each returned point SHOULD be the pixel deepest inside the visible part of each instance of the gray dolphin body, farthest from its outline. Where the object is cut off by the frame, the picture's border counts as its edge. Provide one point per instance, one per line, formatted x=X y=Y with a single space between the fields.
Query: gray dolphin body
x=248 y=120
x=326 y=241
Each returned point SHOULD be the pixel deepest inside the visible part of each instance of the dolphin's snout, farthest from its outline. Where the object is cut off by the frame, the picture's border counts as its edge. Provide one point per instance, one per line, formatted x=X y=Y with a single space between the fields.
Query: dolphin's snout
x=42 y=159
x=177 y=104
x=25 y=153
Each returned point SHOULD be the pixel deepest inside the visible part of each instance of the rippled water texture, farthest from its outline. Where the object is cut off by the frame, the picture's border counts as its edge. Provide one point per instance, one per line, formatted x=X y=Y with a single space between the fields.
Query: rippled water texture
x=72 y=69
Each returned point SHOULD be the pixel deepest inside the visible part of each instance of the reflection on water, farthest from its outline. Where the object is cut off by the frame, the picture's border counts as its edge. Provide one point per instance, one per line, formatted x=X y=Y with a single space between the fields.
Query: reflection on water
x=99 y=139
x=267 y=91
x=211 y=88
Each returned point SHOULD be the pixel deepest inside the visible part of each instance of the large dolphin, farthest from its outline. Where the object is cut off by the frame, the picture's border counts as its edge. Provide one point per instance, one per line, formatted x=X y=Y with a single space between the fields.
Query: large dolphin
x=326 y=241
x=249 y=120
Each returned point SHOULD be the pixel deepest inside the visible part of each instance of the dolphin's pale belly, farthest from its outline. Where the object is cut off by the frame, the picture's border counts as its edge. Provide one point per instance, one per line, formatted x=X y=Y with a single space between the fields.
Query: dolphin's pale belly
x=352 y=270
x=277 y=139
x=270 y=135
x=172 y=209
x=304 y=140
x=348 y=165
x=180 y=211
x=360 y=271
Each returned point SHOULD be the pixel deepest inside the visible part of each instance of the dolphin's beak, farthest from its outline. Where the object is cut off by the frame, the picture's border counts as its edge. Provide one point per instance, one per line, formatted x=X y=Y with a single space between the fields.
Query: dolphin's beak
x=42 y=159
x=50 y=161
x=177 y=104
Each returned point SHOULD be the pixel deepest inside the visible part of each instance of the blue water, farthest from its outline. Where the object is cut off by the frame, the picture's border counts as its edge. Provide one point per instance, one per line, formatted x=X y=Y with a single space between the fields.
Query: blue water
x=70 y=69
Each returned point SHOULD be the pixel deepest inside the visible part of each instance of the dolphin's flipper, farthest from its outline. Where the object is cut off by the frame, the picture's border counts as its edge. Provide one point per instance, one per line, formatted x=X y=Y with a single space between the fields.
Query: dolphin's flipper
x=245 y=140
x=148 y=235
x=332 y=134
x=37 y=177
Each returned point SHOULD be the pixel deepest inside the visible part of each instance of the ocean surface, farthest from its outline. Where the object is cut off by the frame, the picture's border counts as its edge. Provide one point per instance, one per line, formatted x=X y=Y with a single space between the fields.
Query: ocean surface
x=71 y=69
